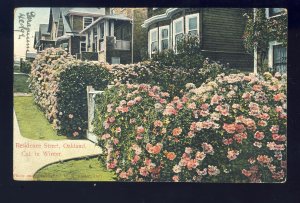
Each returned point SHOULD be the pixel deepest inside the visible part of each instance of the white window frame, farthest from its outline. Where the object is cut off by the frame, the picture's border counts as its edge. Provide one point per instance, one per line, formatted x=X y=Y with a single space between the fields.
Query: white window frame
x=150 y=39
x=84 y=20
x=270 y=52
x=116 y=58
x=268 y=14
x=160 y=36
x=187 y=22
x=174 y=29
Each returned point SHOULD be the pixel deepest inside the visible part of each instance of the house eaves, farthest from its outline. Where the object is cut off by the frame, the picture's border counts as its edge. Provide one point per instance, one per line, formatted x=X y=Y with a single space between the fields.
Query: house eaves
x=165 y=16
x=114 y=17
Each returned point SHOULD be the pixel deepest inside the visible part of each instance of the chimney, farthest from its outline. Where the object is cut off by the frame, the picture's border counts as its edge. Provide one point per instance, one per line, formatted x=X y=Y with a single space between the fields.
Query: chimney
x=107 y=11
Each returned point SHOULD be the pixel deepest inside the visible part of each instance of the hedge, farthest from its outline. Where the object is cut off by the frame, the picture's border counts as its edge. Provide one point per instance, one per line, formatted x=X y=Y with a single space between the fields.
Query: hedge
x=232 y=129
x=58 y=83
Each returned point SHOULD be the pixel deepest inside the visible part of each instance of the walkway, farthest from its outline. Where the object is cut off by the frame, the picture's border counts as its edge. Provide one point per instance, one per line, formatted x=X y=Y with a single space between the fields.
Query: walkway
x=31 y=155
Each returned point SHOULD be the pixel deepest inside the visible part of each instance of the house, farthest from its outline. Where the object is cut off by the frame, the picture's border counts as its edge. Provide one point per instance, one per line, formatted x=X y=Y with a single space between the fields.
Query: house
x=42 y=38
x=220 y=31
x=274 y=56
x=66 y=23
x=110 y=37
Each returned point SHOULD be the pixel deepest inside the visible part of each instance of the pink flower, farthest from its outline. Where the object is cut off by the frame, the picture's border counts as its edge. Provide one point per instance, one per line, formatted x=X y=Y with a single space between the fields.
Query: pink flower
x=176 y=169
x=130 y=103
x=232 y=154
x=171 y=156
x=259 y=135
x=230 y=128
x=135 y=159
x=262 y=123
x=116 y=141
x=75 y=134
x=257 y=144
x=246 y=173
x=274 y=129
x=158 y=123
x=154 y=149
x=123 y=175
x=111 y=119
x=193 y=163
x=140 y=130
x=257 y=88
x=138 y=99
x=105 y=136
x=227 y=141
x=188 y=150
x=240 y=137
x=177 y=131
x=192 y=105
x=280 y=138
x=118 y=129
x=175 y=178
x=179 y=105
x=207 y=148
x=143 y=171
x=200 y=156
x=264 y=159
x=213 y=170
x=279 y=96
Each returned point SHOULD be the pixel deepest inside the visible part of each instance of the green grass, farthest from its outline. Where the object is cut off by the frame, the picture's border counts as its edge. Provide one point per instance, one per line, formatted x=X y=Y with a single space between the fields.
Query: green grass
x=20 y=84
x=16 y=69
x=75 y=170
x=32 y=122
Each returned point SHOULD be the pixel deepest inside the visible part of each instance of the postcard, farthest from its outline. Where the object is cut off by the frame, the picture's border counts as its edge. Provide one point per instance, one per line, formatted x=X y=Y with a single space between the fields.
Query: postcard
x=150 y=94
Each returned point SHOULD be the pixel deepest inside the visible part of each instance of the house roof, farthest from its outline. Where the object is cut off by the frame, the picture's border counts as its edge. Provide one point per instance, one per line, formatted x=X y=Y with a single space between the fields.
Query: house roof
x=87 y=11
x=55 y=14
x=157 y=18
x=44 y=29
x=67 y=27
x=115 y=17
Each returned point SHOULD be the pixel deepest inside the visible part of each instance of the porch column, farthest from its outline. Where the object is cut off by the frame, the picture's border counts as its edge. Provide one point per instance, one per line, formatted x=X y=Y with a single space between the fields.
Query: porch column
x=106 y=24
x=112 y=28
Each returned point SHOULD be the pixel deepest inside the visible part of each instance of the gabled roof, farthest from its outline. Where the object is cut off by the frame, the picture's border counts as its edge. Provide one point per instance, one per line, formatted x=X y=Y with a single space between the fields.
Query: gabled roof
x=115 y=17
x=67 y=27
x=87 y=11
x=55 y=13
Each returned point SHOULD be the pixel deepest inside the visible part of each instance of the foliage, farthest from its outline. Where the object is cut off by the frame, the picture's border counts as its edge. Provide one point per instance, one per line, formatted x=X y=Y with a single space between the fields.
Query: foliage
x=58 y=83
x=260 y=31
x=169 y=78
x=25 y=66
x=232 y=129
x=188 y=54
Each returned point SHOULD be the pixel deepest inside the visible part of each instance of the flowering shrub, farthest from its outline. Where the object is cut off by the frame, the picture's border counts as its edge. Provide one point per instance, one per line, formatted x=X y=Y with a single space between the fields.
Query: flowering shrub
x=58 y=83
x=169 y=78
x=232 y=129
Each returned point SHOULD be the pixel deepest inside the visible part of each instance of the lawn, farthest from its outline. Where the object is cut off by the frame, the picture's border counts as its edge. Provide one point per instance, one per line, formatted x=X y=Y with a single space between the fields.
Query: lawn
x=20 y=83
x=75 y=170
x=32 y=121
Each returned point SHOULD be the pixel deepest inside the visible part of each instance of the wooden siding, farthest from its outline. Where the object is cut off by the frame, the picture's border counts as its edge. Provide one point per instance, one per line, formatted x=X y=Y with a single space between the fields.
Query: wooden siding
x=223 y=29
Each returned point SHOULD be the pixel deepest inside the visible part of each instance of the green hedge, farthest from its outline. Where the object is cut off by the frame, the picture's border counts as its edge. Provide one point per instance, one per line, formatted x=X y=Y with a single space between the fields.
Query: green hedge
x=58 y=83
x=25 y=67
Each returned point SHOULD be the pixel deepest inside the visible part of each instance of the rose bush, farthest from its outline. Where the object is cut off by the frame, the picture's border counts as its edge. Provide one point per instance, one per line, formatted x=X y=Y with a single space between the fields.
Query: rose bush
x=58 y=83
x=232 y=129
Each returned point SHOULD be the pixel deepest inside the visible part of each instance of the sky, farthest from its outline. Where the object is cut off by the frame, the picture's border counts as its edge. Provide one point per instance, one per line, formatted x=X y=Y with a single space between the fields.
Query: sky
x=41 y=17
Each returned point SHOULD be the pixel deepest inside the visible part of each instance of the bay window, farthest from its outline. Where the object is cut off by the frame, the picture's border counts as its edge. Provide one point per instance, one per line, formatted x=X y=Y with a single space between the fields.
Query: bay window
x=192 y=24
x=177 y=31
x=153 y=41
x=164 y=37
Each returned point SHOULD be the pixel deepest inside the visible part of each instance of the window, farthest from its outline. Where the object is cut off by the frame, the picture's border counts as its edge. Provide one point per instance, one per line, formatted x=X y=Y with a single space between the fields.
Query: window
x=87 y=21
x=101 y=30
x=271 y=12
x=115 y=60
x=153 y=41
x=164 y=38
x=277 y=57
x=192 y=24
x=82 y=47
x=177 y=31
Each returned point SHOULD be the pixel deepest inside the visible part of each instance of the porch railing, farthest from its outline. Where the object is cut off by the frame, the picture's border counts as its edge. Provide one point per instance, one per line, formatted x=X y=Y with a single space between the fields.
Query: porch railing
x=122 y=45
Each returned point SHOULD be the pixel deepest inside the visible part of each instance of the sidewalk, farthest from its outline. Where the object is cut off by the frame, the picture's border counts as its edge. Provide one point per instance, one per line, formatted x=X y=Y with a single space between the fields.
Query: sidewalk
x=31 y=155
